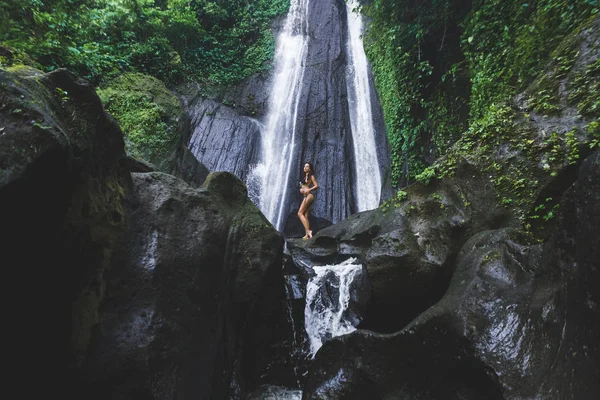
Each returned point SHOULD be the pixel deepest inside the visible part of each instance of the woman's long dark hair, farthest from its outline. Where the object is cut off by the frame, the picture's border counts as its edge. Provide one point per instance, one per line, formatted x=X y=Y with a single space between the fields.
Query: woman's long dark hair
x=303 y=174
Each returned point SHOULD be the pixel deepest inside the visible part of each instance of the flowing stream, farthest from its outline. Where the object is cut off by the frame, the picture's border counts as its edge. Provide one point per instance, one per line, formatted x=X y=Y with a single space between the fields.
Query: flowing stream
x=269 y=177
x=327 y=300
x=328 y=308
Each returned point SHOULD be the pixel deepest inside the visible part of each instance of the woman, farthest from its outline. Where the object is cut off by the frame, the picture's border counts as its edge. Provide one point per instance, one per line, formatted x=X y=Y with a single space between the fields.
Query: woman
x=308 y=185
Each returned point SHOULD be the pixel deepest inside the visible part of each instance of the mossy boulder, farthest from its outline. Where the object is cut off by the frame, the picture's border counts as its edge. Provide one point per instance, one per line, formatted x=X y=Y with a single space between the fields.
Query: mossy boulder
x=409 y=244
x=11 y=57
x=155 y=125
x=148 y=113
x=509 y=170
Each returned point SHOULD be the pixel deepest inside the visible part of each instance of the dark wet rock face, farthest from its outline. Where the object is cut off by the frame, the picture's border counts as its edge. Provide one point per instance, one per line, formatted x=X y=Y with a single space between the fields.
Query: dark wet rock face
x=222 y=139
x=192 y=298
x=153 y=289
x=325 y=136
x=182 y=164
x=61 y=191
x=519 y=320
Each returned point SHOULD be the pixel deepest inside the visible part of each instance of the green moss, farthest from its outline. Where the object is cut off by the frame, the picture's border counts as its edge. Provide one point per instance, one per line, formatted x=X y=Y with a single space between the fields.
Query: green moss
x=147 y=112
x=543 y=94
x=394 y=201
x=492 y=256
x=10 y=57
x=572 y=147
x=593 y=130
x=426 y=176
x=585 y=90
x=437 y=197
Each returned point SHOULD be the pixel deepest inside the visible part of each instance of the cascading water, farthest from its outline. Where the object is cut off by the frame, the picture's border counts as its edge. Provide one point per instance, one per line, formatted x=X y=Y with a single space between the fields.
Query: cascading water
x=327 y=300
x=279 y=135
x=368 y=179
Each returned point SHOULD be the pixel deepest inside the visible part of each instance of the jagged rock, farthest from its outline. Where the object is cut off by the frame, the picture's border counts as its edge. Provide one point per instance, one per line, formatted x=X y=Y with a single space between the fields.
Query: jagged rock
x=147 y=285
x=518 y=321
x=184 y=165
x=409 y=245
x=133 y=164
x=193 y=295
x=222 y=139
x=61 y=191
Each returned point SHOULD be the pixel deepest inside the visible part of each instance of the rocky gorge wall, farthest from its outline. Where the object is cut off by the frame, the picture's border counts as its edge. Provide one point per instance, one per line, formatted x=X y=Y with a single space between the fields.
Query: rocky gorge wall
x=518 y=320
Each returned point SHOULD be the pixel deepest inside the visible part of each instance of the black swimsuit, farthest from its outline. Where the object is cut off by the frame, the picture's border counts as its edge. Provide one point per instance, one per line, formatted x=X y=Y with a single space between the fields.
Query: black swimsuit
x=313 y=192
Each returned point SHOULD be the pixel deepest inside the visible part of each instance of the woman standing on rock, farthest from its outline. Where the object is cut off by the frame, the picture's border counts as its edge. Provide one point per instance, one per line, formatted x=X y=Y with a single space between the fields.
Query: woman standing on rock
x=308 y=185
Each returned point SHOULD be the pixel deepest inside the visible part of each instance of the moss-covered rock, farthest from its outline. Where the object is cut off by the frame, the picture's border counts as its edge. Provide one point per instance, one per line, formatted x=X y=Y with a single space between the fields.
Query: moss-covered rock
x=509 y=170
x=149 y=114
x=529 y=148
x=10 y=57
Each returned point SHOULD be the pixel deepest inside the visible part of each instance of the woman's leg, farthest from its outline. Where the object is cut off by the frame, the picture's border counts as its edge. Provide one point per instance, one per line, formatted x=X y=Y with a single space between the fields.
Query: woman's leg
x=303 y=218
x=309 y=199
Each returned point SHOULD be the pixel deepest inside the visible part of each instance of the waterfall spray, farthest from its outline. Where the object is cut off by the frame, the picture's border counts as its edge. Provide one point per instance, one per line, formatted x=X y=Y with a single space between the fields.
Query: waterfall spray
x=368 y=179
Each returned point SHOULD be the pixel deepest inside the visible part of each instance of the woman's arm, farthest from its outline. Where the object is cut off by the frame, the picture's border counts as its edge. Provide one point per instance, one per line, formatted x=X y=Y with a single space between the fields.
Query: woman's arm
x=315 y=184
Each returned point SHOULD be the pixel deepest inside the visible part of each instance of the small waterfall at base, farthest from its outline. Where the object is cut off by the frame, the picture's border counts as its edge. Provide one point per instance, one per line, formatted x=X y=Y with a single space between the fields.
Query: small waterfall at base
x=368 y=179
x=272 y=173
x=327 y=300
x=322 y=302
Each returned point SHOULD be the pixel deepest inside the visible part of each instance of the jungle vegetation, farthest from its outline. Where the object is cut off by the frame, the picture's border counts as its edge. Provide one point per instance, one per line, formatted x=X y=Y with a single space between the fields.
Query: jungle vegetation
x=211 y=41
x=440 y=65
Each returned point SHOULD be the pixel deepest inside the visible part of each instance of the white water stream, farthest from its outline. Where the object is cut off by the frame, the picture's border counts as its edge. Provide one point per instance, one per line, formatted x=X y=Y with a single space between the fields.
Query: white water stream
x=368 y=179
x=324 y=316
x=272 y=173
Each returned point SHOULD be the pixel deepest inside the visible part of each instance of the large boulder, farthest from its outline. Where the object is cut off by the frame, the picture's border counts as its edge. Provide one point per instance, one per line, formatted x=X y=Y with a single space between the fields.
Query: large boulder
x=193 y=296
x=62 y=187
x=519 y=320
x=135 y=288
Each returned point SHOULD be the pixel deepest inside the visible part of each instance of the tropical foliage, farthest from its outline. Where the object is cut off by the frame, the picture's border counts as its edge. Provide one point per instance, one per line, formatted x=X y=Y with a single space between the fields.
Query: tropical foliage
x=218 y=41
x=441 y=64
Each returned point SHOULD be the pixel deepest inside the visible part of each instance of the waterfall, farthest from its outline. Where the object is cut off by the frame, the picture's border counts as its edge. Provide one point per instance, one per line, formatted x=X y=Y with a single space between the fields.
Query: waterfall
x=368 y=179
x=327 y=301
x=278 y=138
